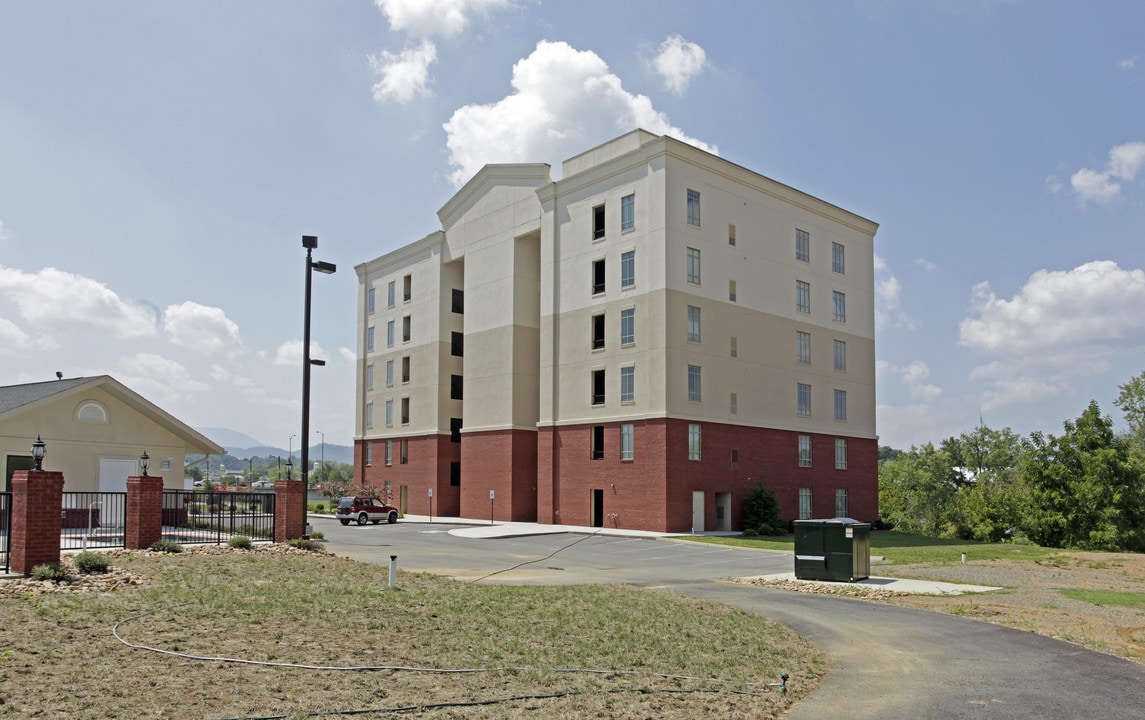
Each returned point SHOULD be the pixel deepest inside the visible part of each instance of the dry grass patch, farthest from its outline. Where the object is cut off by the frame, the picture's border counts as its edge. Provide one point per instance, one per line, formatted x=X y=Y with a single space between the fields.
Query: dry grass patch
x=659 y=655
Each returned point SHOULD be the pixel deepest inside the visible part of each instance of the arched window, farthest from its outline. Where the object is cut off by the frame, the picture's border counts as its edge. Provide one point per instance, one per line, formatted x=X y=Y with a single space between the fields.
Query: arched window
x=91 y=412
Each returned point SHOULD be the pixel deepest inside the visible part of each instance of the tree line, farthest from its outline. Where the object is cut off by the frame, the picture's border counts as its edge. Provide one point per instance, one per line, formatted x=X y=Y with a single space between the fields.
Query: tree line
x=1084 y=488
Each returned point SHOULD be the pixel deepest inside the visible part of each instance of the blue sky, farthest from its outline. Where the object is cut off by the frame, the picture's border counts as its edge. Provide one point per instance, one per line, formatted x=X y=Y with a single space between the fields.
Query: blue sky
x=160 y=161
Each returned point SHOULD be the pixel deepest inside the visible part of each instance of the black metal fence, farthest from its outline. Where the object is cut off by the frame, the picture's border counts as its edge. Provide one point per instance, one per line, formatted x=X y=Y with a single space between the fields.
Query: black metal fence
x=216 y=517
x=5 y=532
x=92 y=520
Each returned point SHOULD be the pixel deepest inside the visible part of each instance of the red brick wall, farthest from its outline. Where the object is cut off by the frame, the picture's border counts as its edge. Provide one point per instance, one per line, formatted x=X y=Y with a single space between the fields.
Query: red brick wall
x=289 y=499
x=504 y=461
x=429 y=457
x=654 y=490
x=37 y=496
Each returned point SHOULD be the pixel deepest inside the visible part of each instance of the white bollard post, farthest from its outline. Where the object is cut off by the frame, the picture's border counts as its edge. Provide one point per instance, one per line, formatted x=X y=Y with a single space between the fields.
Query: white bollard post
x=963 y=558
x=393 y=571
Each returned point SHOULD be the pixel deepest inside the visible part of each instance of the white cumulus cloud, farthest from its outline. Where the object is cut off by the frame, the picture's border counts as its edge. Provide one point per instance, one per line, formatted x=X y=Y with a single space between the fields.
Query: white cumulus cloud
x=202 y=329
x=13 y=340
x=679 y=62
x=1125 y=162
x=405 y=75
x=1060 y=326
x=563 y=101
x=289 y=353
x=157 y=378
x=55 y=300
x=427 y=18
x=888 y=299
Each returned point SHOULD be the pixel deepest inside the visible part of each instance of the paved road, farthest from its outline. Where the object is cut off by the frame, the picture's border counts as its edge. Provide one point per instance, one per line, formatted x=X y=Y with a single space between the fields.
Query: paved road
x=887 y=662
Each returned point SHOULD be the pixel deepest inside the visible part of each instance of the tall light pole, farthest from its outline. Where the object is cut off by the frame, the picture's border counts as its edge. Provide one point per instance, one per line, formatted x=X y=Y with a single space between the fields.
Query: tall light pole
x=310 y=242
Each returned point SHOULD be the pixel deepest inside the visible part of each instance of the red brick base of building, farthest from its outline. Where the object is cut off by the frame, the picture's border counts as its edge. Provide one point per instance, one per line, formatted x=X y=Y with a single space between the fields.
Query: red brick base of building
x=561 y=475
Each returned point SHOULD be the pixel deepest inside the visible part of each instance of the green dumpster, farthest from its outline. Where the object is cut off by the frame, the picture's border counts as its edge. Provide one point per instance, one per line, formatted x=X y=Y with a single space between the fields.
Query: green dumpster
x=838 y=549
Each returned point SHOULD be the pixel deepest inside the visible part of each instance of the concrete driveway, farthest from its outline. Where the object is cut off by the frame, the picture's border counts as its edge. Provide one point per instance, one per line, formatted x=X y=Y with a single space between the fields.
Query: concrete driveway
x=886 y=661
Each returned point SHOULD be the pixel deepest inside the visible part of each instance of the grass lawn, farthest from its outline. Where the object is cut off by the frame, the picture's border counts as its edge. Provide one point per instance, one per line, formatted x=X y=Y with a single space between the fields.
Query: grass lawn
x=904 y=548
x=320 y=634
x=1108 y=597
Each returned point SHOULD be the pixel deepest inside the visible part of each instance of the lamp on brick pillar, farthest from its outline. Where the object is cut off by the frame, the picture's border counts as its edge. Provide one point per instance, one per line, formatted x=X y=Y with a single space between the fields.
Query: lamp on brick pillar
x=289 y=469
x=38 y=450
x=144 y=461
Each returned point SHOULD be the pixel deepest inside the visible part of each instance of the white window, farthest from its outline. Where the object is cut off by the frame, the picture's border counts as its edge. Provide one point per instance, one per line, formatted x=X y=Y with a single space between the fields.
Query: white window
x=732 y=290
x=839 y=301
x=369 y=415
x=390 y=293
x=370 y=377
x=407 y=288
x=628 y=384
x=804 y=503
x=694 y=266
x=389 y=452
x=802 y=296
x=841 y=502
x=804 y=451
x=628 y=269
x=389 y=373
x=804 y=399
x=734 y=405
x=693 y=324
x=627 y=213
x=406 y=329
x=390 y=334
x=369 y=452
x=735 y=347
x=837 y=264
x=840 y=453
x=628 y=326
x=694 y=208
x=389 y=413
x=91 y=412
x=840 y=356
x=626 y=431
x=370 y=300
x=370 y=339
x=694 y=383
x=731 y=235
x=803 y=341
x=803 y=246
x=694 y=442
x=840 y=404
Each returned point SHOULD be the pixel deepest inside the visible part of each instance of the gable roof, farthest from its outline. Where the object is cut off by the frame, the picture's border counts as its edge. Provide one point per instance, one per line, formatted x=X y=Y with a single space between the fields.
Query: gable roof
x=18 y=399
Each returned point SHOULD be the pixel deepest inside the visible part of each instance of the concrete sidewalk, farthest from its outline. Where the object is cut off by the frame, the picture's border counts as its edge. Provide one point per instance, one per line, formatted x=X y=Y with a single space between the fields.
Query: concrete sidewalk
x=902 y=585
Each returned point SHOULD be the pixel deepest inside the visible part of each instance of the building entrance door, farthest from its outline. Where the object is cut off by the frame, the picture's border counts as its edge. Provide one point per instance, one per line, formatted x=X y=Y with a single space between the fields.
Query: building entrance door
x=698 y=511
x=598 y=508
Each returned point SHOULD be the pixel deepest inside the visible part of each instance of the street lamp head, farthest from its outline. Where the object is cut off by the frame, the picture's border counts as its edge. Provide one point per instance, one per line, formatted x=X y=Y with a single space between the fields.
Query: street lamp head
x=310 y=242
x=289 y=470
x=38 y=450
x=326 y=268
x=144 y=462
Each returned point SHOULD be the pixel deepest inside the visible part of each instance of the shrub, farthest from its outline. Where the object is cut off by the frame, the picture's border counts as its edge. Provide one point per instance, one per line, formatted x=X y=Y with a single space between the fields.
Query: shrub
x=167 y=546
x=317 y=535
x=761 y=511
x=239 y=541
x=91 y=563
x=749 y=531
x=50 y=571
x=304 y=544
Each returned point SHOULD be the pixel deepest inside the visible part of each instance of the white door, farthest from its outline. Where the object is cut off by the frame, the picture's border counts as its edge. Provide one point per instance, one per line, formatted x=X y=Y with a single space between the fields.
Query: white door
x=113 y=476
x=698 y=511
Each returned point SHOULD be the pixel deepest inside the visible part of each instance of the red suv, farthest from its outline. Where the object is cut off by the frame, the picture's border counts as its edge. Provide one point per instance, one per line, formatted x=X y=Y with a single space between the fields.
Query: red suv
x=364 y=510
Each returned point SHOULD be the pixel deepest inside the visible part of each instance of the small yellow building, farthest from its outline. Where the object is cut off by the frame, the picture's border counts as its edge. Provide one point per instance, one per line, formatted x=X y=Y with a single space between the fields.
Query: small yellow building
x=95 y=429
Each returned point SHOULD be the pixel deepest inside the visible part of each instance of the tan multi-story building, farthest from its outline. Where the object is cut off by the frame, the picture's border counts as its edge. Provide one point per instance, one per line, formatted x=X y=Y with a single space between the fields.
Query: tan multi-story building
x=634 y=345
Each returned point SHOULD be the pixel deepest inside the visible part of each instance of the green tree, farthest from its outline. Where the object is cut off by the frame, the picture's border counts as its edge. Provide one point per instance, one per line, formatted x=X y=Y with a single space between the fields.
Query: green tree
x=985 y=469
x=1131 y=400
x=1084 y=489
x=761 y=511
x=916 y=491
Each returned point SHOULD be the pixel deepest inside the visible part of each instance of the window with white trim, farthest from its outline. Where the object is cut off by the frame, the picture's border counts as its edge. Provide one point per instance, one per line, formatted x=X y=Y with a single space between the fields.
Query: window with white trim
x=839 y=301
x=802 y=296
x=391 y=293
x=627 y=327
x=840 y=453
x=803 y=343
x=389 y=373
x=626 y=444
x=389 y=413
x=628 y=212
x=804 y=451
x=370 y=301
x=390 y=334
x=733 y=405
x=840 y=355
x=694 y=383
x=693 y=266
x=837 y=262
x=840 y=405
x=694 y=208
x=804 y=503
x=370 y=339
x=369 y=415
x=802 y=246
x=841 y=502
x=694 y=442
x=628 y=269
x=389 y=452
x=804 y=399
x=693 y=324
x=628 y=384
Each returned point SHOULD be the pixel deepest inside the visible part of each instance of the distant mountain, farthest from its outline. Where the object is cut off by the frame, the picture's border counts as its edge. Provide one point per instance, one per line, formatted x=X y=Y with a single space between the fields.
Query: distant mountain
x=334 y=453
x=229 y=438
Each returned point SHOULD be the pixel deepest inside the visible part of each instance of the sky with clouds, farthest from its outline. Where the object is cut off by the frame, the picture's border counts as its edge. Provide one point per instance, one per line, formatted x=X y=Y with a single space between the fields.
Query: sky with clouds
x=159 y=163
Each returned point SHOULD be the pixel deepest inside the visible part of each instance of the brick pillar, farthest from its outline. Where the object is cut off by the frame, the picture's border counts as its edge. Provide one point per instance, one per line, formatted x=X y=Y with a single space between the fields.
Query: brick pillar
x=144 y=523
x=37 y=501
x=289 y=498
